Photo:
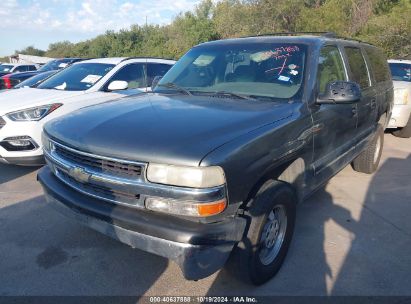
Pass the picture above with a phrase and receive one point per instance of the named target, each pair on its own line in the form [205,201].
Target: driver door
[335,125]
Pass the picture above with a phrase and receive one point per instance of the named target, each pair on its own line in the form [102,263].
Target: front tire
[404,132]
[259,256]
[369,159]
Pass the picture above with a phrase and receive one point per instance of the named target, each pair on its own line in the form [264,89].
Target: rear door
[359,72]
[381,79]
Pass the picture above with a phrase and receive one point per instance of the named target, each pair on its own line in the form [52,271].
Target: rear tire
[404,132]
[271,213]
[369,159]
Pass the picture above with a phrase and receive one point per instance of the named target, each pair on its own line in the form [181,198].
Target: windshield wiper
[236,95]
[172,85]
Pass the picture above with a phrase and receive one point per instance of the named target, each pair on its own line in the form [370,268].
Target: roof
[307,38]
[117,60]
[112,60]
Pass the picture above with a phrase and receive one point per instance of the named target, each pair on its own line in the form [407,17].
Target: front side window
[357,66]
[133,74]
[78,77]
[400,71]
[379,64]
[330,67]
[273,70]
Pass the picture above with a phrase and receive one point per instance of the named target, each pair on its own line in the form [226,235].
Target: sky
[41,22]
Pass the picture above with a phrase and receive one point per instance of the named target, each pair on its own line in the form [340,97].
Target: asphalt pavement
[352,238]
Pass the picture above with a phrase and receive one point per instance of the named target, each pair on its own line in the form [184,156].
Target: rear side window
[330,68]
[379,64]
[156,69]
[357,66]
[32,68]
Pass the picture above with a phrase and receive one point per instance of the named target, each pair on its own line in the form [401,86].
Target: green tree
[31,50]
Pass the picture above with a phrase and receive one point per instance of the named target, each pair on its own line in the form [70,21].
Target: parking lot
[352,238]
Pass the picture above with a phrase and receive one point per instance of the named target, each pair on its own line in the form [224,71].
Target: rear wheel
[369,159]
[259,256]
[404,132]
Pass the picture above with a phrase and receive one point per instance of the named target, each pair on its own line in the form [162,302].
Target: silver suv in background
[401,113]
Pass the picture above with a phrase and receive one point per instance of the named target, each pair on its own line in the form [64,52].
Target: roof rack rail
[320,34]
[323,34]
[145,57]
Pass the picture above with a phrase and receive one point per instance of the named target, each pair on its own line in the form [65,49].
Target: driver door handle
[373,103]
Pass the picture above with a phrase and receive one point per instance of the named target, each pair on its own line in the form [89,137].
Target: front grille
[102,177]
[101,165]
[2,122]
[101,191]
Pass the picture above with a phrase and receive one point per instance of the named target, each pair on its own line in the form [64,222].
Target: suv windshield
[5,68]
[401,71]
[78,77]
[247,69]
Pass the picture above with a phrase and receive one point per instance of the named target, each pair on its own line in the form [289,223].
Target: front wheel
[271,212]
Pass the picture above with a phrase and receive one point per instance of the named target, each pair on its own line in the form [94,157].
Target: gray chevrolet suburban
[212,163]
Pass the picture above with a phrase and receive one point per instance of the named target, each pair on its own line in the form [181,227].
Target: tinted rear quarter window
[359,72]
[379,64]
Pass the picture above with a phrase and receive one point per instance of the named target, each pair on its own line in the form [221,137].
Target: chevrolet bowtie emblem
[79,174]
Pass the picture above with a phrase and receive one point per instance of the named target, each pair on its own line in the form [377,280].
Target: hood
[165,129]
[14,100]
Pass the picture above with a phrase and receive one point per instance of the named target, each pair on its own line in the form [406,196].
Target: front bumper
[400,116]
[32,129]
[24,161]
[199,249]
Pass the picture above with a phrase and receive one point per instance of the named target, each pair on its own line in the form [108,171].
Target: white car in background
[401,113]
[23,112]
[10,68]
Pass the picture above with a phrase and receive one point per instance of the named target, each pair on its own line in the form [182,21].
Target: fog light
[19,143]
[186,208]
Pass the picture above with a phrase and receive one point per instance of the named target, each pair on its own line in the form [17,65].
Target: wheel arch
[292,173]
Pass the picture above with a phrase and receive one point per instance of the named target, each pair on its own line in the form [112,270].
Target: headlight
[401,96]
[193,177]
[33,114]
[47,145]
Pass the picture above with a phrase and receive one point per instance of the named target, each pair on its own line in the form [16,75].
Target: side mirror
[340,92]
[155,82]
[117,85]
